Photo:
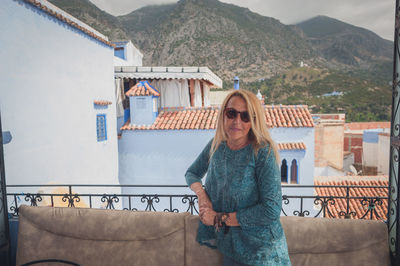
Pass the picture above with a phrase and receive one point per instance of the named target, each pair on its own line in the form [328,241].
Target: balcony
[298,200]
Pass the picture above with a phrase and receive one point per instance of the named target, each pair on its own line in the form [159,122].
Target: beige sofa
[112,237]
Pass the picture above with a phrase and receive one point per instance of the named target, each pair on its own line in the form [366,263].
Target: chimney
[236,83]
[143,100]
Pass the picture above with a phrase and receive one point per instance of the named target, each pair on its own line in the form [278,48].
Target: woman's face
[236,130]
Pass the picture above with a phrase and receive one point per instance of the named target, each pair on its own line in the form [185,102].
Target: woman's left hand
[207,215]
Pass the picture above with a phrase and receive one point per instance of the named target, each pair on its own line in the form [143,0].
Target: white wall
[383,154]
[347,161]
[370,147]
[327,171]
[50,74]
[133,57]
[370,150]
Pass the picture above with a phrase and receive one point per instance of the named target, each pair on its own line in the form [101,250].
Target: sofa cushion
[101,237]
[324,241]
[196,254]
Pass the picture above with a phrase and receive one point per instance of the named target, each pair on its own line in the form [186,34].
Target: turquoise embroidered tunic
[240,181]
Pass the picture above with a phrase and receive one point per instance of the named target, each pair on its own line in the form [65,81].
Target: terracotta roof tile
[291,146]
[288,116]
[142,88]
[101,102]
[366,125]
[68,21]
[356,205]
[206,118]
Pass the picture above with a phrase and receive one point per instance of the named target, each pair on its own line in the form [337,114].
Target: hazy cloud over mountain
[374,15]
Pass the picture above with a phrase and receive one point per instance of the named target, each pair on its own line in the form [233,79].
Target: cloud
[377,16]
[123,7]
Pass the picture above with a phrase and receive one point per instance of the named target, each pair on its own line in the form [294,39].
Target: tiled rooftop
[68,21]
[101,102]
[366,125]
[142,88]
[199,118]
[206,118]
[355,204]
[288,116]
[291,146]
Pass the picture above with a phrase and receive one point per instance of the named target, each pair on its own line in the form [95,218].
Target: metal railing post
[394,203]
[5,244]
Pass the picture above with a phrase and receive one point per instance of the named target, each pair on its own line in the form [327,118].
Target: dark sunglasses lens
[245,117]
[231,113]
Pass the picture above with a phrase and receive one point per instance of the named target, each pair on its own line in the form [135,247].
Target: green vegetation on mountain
[361,100]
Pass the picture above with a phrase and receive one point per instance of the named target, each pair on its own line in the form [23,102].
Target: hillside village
[90,111]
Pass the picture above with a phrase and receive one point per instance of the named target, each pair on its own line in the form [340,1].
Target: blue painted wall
[305,159]
[305,163]
[159,156]
[372,135]
[120,53]
[163,156]
[143,109]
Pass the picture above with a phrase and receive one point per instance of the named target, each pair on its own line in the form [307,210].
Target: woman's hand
[232,220]
[207,216]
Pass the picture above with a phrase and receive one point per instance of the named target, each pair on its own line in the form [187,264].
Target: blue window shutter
[101,127]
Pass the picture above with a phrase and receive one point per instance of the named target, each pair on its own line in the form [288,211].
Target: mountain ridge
[344,43]
[232,40]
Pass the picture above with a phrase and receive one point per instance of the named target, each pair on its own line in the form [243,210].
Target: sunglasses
[232,113]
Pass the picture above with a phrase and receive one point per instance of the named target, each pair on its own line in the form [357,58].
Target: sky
[375,15]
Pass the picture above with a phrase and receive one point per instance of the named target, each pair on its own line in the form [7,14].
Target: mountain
[90,14]
[339,42]
[353,62]
[232,40]
[227,38]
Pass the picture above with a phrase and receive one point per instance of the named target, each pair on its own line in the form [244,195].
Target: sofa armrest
[326,241]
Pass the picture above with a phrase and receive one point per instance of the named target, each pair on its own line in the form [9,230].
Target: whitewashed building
[126,54]
[56,97]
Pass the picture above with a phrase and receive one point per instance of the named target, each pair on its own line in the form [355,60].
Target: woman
[241,204]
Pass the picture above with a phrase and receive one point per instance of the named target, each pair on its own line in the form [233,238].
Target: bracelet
[220,219]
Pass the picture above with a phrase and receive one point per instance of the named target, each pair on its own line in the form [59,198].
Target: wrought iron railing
[297,200]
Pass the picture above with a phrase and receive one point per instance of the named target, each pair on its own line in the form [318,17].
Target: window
[293,172]
[101,123]
[284,169]
[119,52]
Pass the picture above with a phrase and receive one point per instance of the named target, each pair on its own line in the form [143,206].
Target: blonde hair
[258,135]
